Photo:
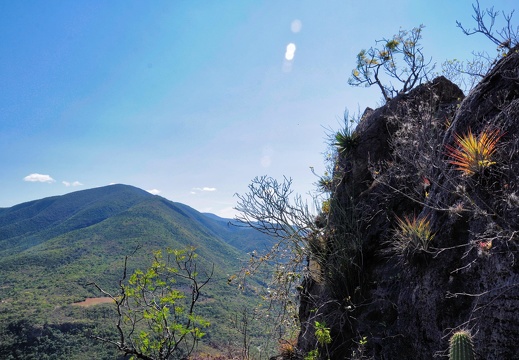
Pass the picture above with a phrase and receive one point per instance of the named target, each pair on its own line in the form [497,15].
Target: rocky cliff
[421,239]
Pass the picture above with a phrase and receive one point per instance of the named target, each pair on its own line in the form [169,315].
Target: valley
[52,250]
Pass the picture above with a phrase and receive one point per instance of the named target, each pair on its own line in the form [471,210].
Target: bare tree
[467,74]
[155,320]
[271,208]
[505,38]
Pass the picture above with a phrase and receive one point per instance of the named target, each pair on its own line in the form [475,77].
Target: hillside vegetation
[51,249]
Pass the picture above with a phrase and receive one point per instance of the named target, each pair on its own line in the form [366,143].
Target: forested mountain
[51,249]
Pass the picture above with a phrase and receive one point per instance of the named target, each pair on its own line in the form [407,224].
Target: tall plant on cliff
[504,38]
[501,31]
[395,65]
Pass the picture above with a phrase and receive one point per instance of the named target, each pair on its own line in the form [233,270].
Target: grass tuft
[413,235]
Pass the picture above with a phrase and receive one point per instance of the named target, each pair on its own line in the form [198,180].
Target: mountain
[34,222]
[50,249]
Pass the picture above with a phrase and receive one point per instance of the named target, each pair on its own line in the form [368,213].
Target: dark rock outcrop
[404,305]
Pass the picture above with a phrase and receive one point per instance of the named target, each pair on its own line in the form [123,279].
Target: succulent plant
[461,346]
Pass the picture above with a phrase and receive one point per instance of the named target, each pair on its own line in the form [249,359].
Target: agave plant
[474,154]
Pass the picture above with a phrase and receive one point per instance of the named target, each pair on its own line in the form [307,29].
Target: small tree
[382,65]
[156,320]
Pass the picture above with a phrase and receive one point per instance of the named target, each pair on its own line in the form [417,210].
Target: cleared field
[93,301]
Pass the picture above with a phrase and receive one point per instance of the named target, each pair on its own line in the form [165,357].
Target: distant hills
[51,248]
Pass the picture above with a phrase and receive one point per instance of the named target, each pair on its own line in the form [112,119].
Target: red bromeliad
[474,154]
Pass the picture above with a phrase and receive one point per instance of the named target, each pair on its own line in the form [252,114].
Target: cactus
[461,346]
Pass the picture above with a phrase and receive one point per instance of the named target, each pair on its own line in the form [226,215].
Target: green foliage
[322,333]
[312,355]
[24,339]
[345,140]
[156,320]
[461,346]
[325,183]
[399,58]
[42,280]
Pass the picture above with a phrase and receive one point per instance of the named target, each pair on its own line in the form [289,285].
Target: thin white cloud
[39,178]
[74,184]
[154,191]
[205,188]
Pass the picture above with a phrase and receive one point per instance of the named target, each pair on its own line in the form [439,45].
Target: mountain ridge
[52,248]
[31,223]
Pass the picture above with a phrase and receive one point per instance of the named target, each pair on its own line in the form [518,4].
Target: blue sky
[191,99]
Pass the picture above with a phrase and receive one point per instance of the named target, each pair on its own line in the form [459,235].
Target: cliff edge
[422,235]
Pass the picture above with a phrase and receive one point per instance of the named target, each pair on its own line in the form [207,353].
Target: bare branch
[505,38]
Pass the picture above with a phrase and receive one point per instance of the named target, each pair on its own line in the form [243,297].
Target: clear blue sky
[191,99]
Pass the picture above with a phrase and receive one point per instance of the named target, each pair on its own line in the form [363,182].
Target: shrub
[288,349]
[397,60]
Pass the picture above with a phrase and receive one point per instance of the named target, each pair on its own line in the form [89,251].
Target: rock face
[402,302]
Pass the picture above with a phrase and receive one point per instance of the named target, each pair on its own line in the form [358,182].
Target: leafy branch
[378,62]
[155,320]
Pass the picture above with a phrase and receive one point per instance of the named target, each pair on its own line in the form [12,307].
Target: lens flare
[290,53]
[296,26]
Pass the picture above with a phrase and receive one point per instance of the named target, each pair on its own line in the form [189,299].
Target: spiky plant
[345,140]
[474,154]
[325,184]
[413,234]
[461,346]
